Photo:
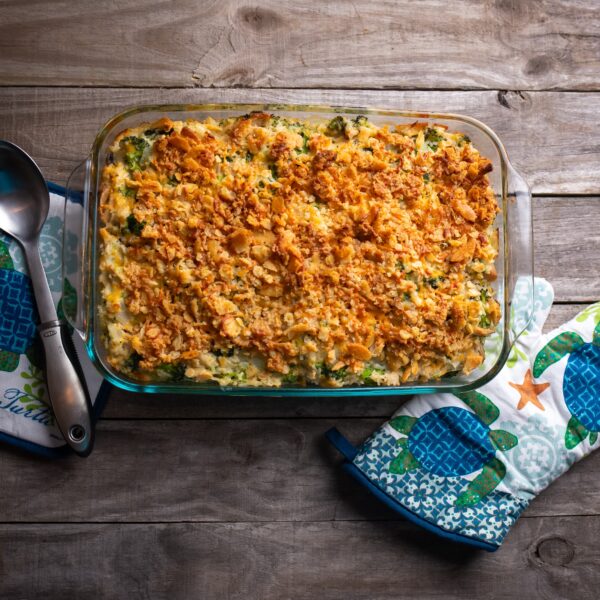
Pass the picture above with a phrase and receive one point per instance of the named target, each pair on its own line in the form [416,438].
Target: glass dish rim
[92,180]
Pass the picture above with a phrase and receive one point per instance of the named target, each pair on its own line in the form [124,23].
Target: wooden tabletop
[218,498]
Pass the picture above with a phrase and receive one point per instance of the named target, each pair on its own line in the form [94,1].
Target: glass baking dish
[514,262]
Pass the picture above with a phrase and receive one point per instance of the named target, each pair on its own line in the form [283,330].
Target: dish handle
[519,252]
[76,252]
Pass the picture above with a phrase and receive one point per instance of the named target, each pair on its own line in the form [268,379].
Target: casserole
[513,224]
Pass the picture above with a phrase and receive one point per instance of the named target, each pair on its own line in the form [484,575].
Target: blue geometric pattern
[18,315]
[450,441]
[581,386]
[433,497]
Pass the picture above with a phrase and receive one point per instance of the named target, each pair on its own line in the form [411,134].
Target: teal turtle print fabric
[581,379]
[468,466]
[18,315]
[450,441]
[434,497]
[582,386]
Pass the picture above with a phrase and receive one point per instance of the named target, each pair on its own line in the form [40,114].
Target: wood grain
[554,559]
[493,44]
[567,246]
[251,470]
[552,138]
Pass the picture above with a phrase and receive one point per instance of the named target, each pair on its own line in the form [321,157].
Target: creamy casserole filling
[268,251]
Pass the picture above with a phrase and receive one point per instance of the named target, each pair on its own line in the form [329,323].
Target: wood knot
[259,19]
[555,551]
[510,6]
[513,99]
[238,76]
[538,65]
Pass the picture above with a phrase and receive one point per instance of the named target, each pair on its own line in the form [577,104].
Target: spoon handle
[66,384]
[66,387]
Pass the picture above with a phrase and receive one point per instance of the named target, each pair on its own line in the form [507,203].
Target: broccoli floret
[465,139]
[304,149]
[153,133]
[174,371]
[433,138]
[368,371]
[290,378]
[135,148]
[236,375]
[485,321]
[427,178]
[339,374]
[134,225]
[133,362]
[360,120]
[327,372]
[434,282]
[274,172]
[337,125]
[129,192]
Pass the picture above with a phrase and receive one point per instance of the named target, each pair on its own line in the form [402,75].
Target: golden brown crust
[309,253]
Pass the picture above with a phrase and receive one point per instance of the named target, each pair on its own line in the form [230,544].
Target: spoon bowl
[24,198]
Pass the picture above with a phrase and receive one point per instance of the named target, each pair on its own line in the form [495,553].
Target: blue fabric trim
[56,189]
[38,449]
[77,197]
[342,445]
[339,441]
[101,399]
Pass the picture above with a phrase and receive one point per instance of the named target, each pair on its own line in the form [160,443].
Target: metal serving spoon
[24,204]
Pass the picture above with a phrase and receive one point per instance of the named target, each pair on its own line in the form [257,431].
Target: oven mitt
[465,466]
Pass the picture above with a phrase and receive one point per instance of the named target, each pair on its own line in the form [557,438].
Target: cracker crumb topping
[267,251]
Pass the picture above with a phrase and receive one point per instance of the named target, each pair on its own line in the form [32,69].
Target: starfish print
[529,391]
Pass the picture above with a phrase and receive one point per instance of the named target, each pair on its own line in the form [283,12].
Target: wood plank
[551,137]
[567,246]
[223,470]
[543,558]
[503,44]
[127,405]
